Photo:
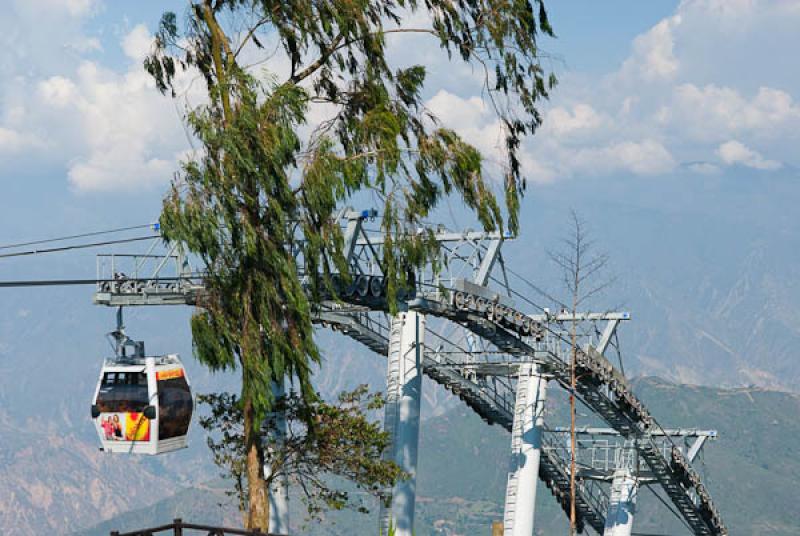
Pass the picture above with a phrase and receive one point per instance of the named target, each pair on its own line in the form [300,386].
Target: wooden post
[497,528]
[178,527]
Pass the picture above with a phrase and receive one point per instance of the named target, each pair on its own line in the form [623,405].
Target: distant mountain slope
[708,266]
[84,487]
[752,471]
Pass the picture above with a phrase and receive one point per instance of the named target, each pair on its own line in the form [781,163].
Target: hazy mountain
[750,470]
[707,265]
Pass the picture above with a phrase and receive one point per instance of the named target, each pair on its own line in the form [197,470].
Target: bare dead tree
[580,266]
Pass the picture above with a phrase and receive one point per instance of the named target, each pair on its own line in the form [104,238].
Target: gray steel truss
[483,338]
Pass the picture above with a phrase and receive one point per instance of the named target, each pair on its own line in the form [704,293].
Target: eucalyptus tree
[264,175]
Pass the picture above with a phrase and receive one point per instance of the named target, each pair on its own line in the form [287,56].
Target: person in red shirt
[108,428]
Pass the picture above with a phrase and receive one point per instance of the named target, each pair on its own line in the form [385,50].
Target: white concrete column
[622,504]
[403,396]
[526,443]
[279,490]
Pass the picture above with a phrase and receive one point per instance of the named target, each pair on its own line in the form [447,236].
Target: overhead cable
[153,226]
[72,282]
[76,246]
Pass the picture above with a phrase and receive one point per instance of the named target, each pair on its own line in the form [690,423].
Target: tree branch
[337,45]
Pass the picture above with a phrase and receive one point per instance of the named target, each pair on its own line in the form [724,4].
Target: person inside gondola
[117,428]
[108,428]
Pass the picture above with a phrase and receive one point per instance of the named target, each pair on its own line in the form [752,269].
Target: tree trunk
[257,516]
[573,518]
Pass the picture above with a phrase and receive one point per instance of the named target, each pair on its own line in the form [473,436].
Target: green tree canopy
[345,443]
[258,203]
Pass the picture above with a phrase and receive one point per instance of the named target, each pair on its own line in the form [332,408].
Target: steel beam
[403,397]
[526,444]
[443,237]
[622,506]
[485,269]
[670,432]
[694,450]
[605,338]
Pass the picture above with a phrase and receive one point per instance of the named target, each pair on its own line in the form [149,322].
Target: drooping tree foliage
[345,443]
[258,203]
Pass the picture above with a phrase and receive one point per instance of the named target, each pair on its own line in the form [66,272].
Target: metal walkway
[471,292]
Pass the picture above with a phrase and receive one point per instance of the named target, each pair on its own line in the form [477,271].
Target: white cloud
[647,157]
[473,119]
[714,113]
[74,8]
[57,91]
[727,11]
[734,152]
[87,44]
[582,119]
[681,99]
[653,55]
[678,97]
[137,43]
[110,129]
[131,133]
[704,168]
[12,141]
[120,169]
[458,112]
[696,80]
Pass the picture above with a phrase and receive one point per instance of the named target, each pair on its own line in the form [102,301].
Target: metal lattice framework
[475,350]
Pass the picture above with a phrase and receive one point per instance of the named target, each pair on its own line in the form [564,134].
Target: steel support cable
[527,282]
[515,274]
[76,246]
[671,509]
[73,237]
[537,289]
[72,282]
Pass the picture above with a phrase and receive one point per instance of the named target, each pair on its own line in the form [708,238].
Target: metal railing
[178,527]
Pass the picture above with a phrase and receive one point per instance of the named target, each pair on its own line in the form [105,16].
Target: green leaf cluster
[259,201]
[344,443]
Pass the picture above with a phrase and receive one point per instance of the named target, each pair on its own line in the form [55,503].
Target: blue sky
[648,89]
[673,132]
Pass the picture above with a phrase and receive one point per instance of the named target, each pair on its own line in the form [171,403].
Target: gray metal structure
[478,341]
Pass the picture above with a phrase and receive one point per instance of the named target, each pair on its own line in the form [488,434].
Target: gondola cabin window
[174,404]
[121,400]
[123,392]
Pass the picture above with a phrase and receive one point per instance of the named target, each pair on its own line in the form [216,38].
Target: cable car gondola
[142,404]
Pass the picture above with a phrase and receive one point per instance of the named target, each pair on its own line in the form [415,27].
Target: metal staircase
[459,293]
[494,406]
[591,502]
